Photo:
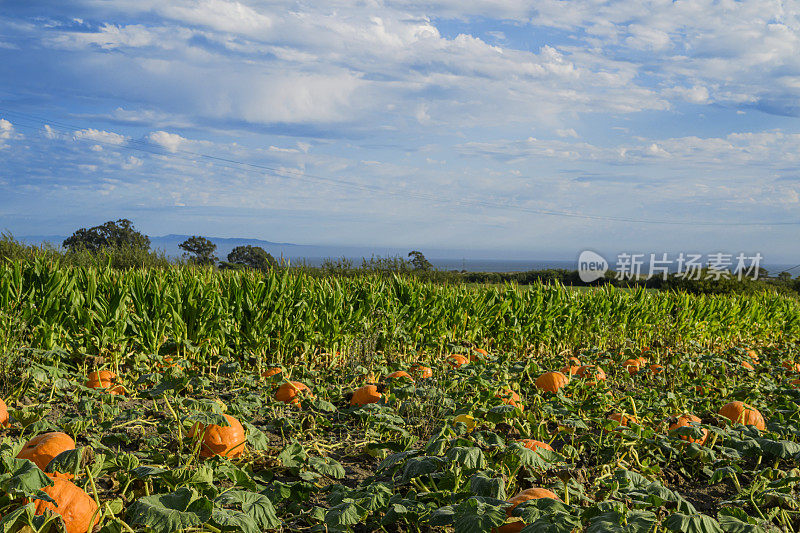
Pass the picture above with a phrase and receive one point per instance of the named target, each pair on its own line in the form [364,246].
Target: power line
[142,145]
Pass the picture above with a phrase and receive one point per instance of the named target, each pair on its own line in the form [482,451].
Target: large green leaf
[695,523]
[420,466]
[491,487]
[469,458]
[166,513]
[257,506]
[22,478]
[476,516]
[327,466]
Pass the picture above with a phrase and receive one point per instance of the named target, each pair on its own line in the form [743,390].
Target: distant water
[519,265]
[499,265]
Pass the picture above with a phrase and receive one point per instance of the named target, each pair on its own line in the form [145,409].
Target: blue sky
[449,124]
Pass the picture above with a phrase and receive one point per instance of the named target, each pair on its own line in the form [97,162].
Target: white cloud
[103,137]
[171,142]
[7,133]
[222,15]
[567,132]
[696,94]
[6,129]
[768,149]
[49,132]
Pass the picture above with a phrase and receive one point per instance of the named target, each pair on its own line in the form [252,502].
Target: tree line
[198,250]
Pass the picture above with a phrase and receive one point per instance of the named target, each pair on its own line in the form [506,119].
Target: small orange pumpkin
[791,366]
[268,373]
[366,394]
[457,360]
[41,449]
[397,374]
[168,362]
[587,370]
[743,414]
[621,419]
[510,397]
[4,420]
[656,369]
[551,381]
[226,441]
[687,421]
[747,366]
[289,392]
[77,509]
[632,365]
[524,496]
[572,367]
[422,372]
[532,444]
[478,353]
[105,379]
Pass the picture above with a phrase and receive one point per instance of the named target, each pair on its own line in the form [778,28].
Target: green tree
[418,261]
[199,250]
[253,257]
[119,234]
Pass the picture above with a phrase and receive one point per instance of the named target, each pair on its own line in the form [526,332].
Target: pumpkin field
[187,399]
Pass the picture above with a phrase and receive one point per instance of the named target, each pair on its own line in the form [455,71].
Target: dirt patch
[706,498]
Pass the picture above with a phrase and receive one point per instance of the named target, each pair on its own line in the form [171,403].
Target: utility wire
[144,146]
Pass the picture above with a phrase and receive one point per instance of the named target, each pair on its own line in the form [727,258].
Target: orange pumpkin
[621,419]
[168,362]
[366,394]
[4,421]
[743,414]
[587,370]
[572,366]
[289,392]
[510,397]
[524,496]
[551,381]
[422,372]
[656,369]
[791,366]
[77,509]
[632,365]
[226,441]
[532,444]
[105,379]
[268,373]
[399,374]
[43,448]
[747,366]
[688,421]
[457,360]
[478,353]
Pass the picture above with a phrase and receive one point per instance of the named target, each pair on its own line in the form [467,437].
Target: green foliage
[418,261]
[119,234]
[199,250]
[253,257]
[99,310]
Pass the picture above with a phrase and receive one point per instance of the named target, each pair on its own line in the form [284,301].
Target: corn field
[287,315]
